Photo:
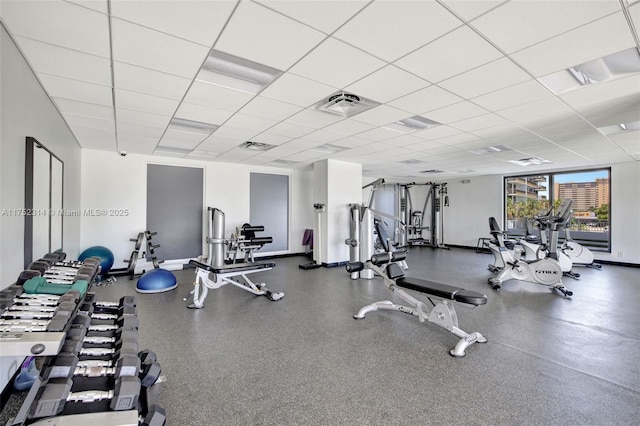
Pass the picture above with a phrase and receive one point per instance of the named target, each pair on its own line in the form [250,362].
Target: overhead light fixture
[491,149]
[620,128]
[232,72]
[411,161]
[532,161]
[345,104]
[329,148]
[432,171]
[257,146]
[191,126]
[411,124]
[599,70]
[172,150]
[283,162]
[466,171]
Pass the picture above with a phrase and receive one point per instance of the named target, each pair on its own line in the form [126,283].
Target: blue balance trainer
[156,281]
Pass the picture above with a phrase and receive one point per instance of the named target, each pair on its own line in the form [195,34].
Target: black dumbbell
[155,416]
[66,365]
[54,394]
[150,367]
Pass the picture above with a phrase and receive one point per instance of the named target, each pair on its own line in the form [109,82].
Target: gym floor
[243,359]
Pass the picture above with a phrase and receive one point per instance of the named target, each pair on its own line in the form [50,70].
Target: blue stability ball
[105,255]
[156,281]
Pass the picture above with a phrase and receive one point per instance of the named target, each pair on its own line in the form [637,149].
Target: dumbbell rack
[94,380]
[135,254]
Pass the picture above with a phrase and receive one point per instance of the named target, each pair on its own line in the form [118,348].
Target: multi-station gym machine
[417,221]
[409,225]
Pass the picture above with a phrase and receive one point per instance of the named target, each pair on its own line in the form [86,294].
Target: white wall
[113,182]
[27,111]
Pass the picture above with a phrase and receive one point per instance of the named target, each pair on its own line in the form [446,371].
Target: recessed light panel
[191,126]
[490,149]
[412,124]
[233,72]
[607,68]
[329,148]
[412,161]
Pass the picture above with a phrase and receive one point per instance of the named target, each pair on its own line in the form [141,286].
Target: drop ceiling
[119,71]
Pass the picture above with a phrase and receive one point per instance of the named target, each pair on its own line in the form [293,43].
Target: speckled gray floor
[303,360]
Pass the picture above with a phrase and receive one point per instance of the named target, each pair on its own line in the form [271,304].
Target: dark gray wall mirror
[43,213]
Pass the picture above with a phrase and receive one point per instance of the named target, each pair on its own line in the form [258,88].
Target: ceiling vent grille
[432,171]
[346,104]
[257,146]
[533,161]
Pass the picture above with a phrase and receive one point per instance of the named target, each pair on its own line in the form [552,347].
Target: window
[526,196]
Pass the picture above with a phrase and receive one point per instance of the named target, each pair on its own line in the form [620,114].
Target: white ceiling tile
[234,134]
[412,24]
[313,118]
[270,108]
[147,48]
[487,78]
[218,144]
[437,132]
[612,90]
[471,9]
[89,122]
[133,129]
[76,90]
[50,59]
[216,97]
[458,139]
[184,140]
[456,112]
[536,21]
[142,118]
[518,94]
[595,40]
[480,122]
[83,108]
[321,15]
[150,82]
[292,130]
[60,23]
[403,140]
[271,138]
[351,142]
[382,115]
[202,113]
[135,144]
[547,107]
[297,90]
[145,103]
[273,39]
[376,86]
[378,134]
[322,136]
[452,54]
[336,64]
[428,99]
[348,127]
[97,5]
[250,122]
[197,21]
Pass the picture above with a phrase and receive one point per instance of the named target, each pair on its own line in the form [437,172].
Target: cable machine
[418,222]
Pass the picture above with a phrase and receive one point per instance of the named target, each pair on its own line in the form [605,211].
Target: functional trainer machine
[417,222]
[442,313]
[216,273]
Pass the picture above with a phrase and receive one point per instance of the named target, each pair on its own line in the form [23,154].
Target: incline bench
[212,277]
[442,314]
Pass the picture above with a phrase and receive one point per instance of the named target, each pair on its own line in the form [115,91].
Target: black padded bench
[442,291]
[236,267]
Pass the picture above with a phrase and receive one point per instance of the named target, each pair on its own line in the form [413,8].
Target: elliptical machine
[546,271]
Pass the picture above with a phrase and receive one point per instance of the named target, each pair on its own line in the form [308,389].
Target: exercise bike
[546,271]
[579,254]
[536,247]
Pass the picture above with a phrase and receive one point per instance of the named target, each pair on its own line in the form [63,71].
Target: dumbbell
[39,285]
[155,416]
[55,393]
[61,311]
[78,342]
[56,256]
[124,301]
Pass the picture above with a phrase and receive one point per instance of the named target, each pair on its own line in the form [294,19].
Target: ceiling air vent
[533,161]
[432,171]
[346,104]
[257,146]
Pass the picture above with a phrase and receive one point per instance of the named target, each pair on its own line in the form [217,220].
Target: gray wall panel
[174,210]
[269,206]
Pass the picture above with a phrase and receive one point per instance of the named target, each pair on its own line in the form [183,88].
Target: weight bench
[213,277]
[442,313]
